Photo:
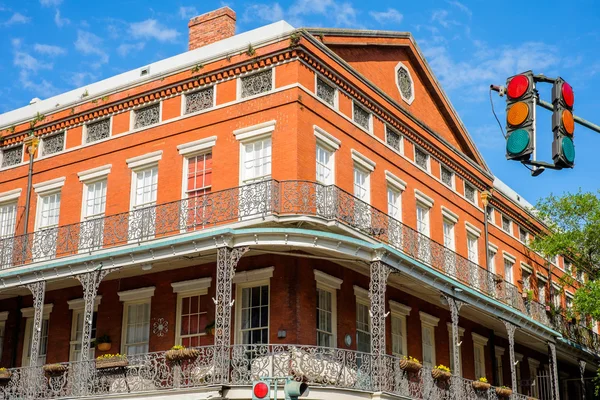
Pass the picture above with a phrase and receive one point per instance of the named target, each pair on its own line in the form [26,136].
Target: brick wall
[211,27]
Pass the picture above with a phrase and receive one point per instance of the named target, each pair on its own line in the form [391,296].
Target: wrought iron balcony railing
[278,198]
[317,366]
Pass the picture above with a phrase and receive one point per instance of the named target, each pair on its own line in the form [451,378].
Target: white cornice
[393,180]
[192,286]
[327,280]
[48,186]
[255,131]
[472,229]
[423,198]
[253,275]
[449,215]
[461,331]
[30,311]
[526,267]
[429,319]
[10,195]
[509,256]
[197,146]
[3,316]
[79,304]
[500,351]
[137,294]
[363,161]
[144,160]
[479,339]
[94,173]
[361,293]
[326,138]
[399,308]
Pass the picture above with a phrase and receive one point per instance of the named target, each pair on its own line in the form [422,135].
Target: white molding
[423,198]
[253,275]
[472,229]
[327,280]
[569,295]
[493,247]
[192,286]
[526,267]
[533,363]
[557,287]
[144,160]
[3,316]
[197,146]
[461,331]
[94,173]
[363,161]
[541,277]
[79,304]
[412,82]
[10,195]
[29,312]
[48,186]
[361,293]
[326,138]
[509,256]
[479,339]
[499,351]
[137,294]
[399,308]
[393,180]
[429,319]
[449,215]
[255,131]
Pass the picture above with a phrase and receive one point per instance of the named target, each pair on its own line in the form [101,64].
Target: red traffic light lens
[517,86]
[261,390]
[567,94]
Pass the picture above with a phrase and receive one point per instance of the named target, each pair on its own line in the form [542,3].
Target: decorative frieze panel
[53,144]
[147,116]
[361,116]
[200,100]
[325,92]
[405,83]
[97,131]
[12,156]
[257,83]
[393,139]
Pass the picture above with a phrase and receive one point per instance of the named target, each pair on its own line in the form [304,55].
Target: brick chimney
[211,27]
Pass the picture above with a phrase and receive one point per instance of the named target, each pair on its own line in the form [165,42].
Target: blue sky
[51,46]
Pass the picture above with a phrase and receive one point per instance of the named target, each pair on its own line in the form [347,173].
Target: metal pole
[579,120]
[28,198]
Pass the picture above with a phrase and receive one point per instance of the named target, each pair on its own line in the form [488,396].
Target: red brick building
[287,202]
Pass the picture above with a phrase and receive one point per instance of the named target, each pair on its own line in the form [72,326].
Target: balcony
[320,367]
[256,202]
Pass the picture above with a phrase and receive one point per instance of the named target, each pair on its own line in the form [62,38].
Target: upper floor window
[394,203]
[145,187]
[326,92]
[363,321]
[393,139]
[492,259]
[49,210]
[472,248]
[423,219]
[523,235]
[255,315]
[447,176]
[361,116]
[568,267]
[95,199]
[135,332]
[146,116]
[77,331]
[199,174]
[580,275]
[399,332]
[506,224]
[199,100]
[12,156]
[421,159]
[53,144]
[508,269]
[405,83]
[449,234]
[258,83]
[470,193]
[97,131]
[491,215]
[325,162]
[428,324]
[8,219]
[362,188]
[192,311]
[256,161]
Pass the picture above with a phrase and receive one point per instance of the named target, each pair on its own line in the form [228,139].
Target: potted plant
[5,374]
[102,343]
[503,392]
[441,373]
[111,361]
[178,354]
[481,384]
[410,364]
[55,369]
[210,328]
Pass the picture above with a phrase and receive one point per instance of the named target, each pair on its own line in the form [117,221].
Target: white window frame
[135,297]
[44,189]
[252,134]
[556,296]
[400,312]
[449,218]
[366,185]
[519,360]
[412,82]
[249,279]
[362,298]
[85,130]
[9,199]
[183,289]
[542,282]
[336,98]
[479,342]
[329,284]
[461,334]
[329,165]
[329,143]
[513,261]
[510,224]
[429,322]
[239,83]
[499,353]
[77,306]
[29,315]
[426,203]
[134,110]
[492,253]
[491,215]
[399,186]
[473,235]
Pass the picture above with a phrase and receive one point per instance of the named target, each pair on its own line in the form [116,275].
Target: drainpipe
[485,200]
[32,143]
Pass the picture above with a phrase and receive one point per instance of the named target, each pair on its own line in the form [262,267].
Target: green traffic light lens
[517,142]
[568,149]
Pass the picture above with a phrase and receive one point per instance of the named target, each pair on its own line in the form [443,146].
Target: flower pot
[103,346]
[548,308]
[115,362]
[5,375]
[503,393]
[440,375]
[410,366]
[178,356]
[55,369]
[481,386]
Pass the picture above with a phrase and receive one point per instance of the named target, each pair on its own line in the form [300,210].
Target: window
[568,267]
[192,309]
[253,305]
[461,333]
[492,259]
[47,218]
[519,359]
[363,320]
[399,312]
[95,199]
[198,182]
[470,193]
[449,234]
[53,144]
[491,215]
[405,83]
[526,277]
[580,275]
[12,156]
[3,318]
[393,139]
[569,301]
[394,197]
[49,211]
[326,324]
[499,365]
[423,219]
[143,215]
[29,313]
[428,324]
[97,131]
[556,297]
[479,343]
[506,225]
[255,84]
[361,184]
[509,262]
[146,116]
[473,251]
[256,161]
[361,116]
[421,159]
[325,171]
[447,176]
[199,100]
[8,219]
[136,320]
[541,290]
[78,308]
[326,92]
[523,235]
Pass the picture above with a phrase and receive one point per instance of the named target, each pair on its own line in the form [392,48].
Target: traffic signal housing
[563,124]
[294,389]
[261,390]
[520,121]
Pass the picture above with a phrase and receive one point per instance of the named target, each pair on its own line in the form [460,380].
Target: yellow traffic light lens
[517,114]
[567,121]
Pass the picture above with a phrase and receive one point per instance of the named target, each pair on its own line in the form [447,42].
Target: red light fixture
[517,86]
[261,390]
[567,94]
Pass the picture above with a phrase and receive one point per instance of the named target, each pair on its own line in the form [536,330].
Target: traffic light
[520,111]
[563,124]
[294,389]
[261,390]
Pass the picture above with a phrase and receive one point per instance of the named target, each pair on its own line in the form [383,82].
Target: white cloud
[17,18]
[390,16]
[461,7]
[50,3]
[152,29]
[127,48]
[264,12]
[90,44]
[16,42]
[79,79]
[49,50]
[60,22]
[187,12]
[39,89]
[26,61]
[338,13]
[441,17]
